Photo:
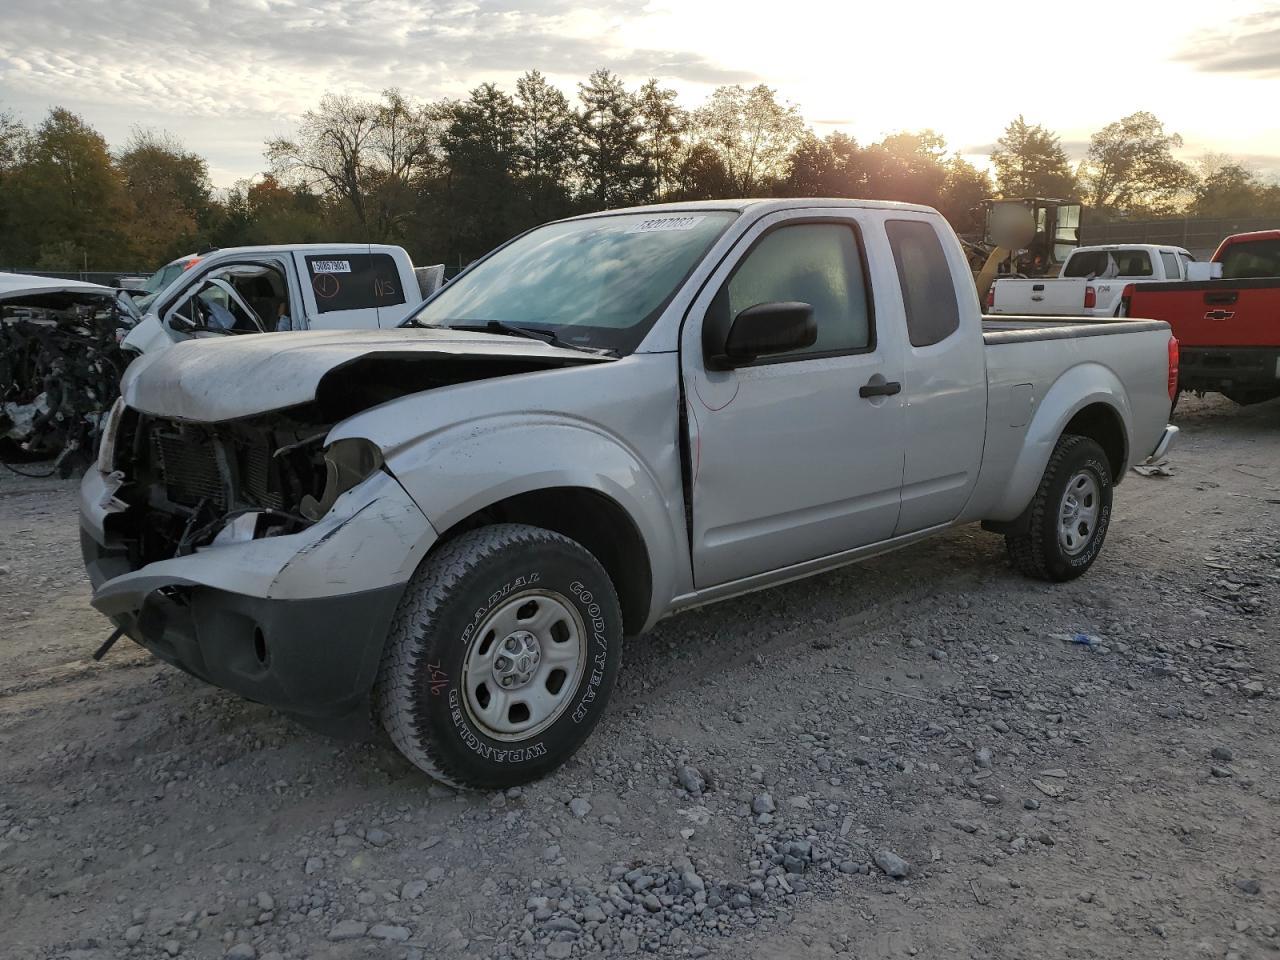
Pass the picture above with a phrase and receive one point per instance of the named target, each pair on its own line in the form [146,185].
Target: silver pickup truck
[604,421]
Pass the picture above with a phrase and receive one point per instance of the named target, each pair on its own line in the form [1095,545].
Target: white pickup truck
[604,421]
[267,289]
[1091,281]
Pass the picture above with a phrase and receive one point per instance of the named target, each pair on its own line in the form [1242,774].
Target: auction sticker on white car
[660,224]
[330,266]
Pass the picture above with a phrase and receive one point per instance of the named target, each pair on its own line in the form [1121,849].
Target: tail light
[1125,297]
[991,296]
[1173,368]
[1090,298]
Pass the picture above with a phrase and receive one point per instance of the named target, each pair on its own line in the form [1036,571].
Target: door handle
[1223,297]
[886,389]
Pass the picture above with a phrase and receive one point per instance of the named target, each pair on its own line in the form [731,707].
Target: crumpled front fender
[372,538]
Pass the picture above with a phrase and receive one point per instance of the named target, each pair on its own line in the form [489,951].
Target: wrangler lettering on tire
[502,656]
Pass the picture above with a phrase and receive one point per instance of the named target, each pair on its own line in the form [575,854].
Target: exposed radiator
[189,465]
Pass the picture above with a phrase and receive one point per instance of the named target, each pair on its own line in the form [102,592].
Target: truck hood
[213,380]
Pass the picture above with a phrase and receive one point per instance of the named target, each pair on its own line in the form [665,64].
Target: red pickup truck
[1228,329]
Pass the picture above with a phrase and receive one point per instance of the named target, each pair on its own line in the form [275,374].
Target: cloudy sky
[224,75]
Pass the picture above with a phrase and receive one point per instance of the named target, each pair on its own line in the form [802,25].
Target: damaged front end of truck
[224,532]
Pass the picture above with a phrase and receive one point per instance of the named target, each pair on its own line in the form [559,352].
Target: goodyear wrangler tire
[501,656]
[1069,515]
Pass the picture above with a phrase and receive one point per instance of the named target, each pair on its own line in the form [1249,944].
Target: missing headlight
[347,463]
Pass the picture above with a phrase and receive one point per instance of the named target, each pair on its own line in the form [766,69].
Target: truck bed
[997,330]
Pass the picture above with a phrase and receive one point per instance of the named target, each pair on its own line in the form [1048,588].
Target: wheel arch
[1101,422]
[590,518]
[1088,400]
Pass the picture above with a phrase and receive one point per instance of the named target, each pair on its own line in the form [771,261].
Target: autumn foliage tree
[450,179]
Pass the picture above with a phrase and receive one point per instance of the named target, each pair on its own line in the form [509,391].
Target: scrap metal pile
[60,369]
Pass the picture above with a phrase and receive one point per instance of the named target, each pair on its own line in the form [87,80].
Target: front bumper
[297,622]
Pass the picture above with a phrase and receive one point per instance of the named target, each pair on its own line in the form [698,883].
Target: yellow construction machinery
[1024,237]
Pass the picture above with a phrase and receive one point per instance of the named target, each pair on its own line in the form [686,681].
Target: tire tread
[1027,550]
[431,586]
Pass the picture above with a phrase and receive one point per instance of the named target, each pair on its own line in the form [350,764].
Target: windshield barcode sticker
[661,224]
[330,266]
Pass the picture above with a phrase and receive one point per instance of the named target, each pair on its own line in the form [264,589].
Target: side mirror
[183,324]
[766,329]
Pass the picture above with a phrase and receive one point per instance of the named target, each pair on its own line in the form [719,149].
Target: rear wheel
[1069,515]
[501,657]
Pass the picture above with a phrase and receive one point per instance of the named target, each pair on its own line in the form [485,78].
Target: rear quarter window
[355,281]
[928,290]
[1251,259]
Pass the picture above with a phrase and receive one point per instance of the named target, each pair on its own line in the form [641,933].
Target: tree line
[450,179]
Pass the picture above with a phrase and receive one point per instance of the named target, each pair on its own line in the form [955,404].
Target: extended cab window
[1171,271]
[359,281]
[815,263]
[928,292]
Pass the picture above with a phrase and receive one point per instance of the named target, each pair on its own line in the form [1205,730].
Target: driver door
[794,456]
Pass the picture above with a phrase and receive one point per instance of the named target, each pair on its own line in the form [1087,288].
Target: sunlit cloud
[226,76]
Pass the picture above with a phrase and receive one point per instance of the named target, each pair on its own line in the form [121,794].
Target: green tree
[963,191]
[663,126]
[752,133]
[482,156]
[546,147]
[1029,162]
[829,167]
[700,175]
[66,200]
[13,135]
[1130,168]
[612,158]
[267,211]
[1230,189]
[171,196]
[909,167]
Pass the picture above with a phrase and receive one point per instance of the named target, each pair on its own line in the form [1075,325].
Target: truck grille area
[188,470]
[196,465]
[186,481]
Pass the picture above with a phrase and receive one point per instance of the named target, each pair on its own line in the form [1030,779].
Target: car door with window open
[796,455]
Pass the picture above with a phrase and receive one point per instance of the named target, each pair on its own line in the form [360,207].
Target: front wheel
[1069,515]
[501,657]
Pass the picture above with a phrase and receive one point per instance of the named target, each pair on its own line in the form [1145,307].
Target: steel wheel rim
[523,664]
[1078,512]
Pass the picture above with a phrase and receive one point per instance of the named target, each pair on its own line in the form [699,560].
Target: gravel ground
[926,755]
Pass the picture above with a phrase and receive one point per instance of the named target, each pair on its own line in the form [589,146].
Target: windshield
[598,282]
[159,280]
[1108,263]
[1252,258]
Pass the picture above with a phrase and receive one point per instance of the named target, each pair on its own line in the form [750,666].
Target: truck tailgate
[1040,297]
[1214,313]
